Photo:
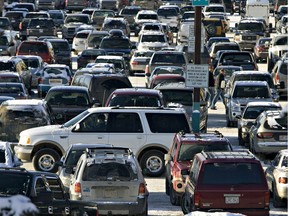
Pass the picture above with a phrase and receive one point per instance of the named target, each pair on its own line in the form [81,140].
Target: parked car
[7,156]
[248,117]
[181,154]
[68,162]
[276,175]
[15,90]
[123,127]
[53,75]
[66,102]
[18,115]
[268,134]
[241,93]
[211,177]
[135,97]
[123,176]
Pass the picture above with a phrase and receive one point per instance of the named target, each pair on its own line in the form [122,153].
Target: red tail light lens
[142,189]
[283,180]
[134,63]
[267,199]
[77,187]
[196,199]
[265,135]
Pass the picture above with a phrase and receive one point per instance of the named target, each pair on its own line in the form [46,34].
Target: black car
[66,102]
[15,90]
[89,56]
[62,51]
[45,190]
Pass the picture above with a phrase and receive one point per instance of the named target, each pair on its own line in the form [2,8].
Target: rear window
[153,38]
[168,58]
[32,48]
[255,77]
[112,43]
[251,91]
[178,97]
[277,124]
[35,23]
[167,122]
[230,58]
[130,11]
[82,35]
[253,112]
[148,16]
[167,12]
[60,45]
[81,19]
[231,174]
[135,100]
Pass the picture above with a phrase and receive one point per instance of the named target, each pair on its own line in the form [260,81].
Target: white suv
[152,40]
[148,132]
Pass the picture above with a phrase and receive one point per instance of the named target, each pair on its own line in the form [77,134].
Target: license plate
[110,193]
[55,81]
[231,198]
[282,137]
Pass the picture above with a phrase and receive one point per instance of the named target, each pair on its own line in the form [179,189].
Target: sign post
[197,61]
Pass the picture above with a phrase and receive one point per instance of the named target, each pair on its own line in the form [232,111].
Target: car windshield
[167,12]
[112,43]
[251,92]
[110,171]
[187,151]
[231,174]
[153,38]
[253,27]
[60,46]
[254,111]
[13,184]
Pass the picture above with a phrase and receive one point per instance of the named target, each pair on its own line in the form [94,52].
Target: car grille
[249,37]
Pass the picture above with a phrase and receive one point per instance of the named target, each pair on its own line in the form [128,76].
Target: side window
[96,122]
[194,171]
[55,187]
[124,122]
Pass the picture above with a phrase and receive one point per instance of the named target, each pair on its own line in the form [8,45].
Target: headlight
[237,37]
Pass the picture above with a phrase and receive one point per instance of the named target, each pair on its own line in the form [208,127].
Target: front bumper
[23,152]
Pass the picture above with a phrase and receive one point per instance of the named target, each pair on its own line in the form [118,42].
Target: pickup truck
[45,191]
[41,27]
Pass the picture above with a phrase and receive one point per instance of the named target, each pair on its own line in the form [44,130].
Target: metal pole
[197,60]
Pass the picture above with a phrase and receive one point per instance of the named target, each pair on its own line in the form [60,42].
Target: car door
[89,131]
[126,129]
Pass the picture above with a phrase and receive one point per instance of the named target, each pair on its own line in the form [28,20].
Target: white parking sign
[197,76]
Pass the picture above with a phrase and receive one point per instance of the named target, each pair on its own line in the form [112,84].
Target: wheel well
[164,151]
[46,145]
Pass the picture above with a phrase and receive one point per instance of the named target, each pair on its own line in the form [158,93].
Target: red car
[165,78]
[178,159]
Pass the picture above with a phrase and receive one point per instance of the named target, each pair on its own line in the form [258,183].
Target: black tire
[277,201]
[44,160]
[174,199]
[167,186]
[152,163]
[241,141]
[211,29]
[185,204]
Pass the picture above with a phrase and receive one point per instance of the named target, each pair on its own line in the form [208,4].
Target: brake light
[265,135]
[134,63]
[142,189]
[40,80]
[77,187]
[260,48]
[196,199]
[283,180]
[267,198]
[277,78]
[20,25]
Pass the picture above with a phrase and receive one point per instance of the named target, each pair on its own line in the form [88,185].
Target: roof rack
[241,153]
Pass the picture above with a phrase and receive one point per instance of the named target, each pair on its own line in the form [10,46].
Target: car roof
[142,91]
[177,86]
[68,88]
[251,83]
[29,102]
[263,103]
[243,73]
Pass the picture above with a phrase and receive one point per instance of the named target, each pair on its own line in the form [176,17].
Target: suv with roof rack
[231,181]
[45,191]
[147,131]
[180,155]
[112,178]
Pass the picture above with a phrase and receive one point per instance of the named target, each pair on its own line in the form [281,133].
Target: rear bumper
[250,212]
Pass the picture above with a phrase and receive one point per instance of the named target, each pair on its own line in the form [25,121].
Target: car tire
[185,204]
[277,202]
[167,186]
[174,199]
[44,160]
[145,213]
[211,29]
[152,163]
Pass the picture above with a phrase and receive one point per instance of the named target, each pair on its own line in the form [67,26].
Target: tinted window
[253,112]
[255,77]
[253,27]
[148,16]
[13,183]
[95,39]
[3,41]
[7,66]
[167,122]
[135,100]
[169,58]
[167,12]
[112,43]
[229,58]
[62,98]
[178,97]
[231,174]
[124,123]
[33,48]
[251,91]
[277,124]
[60,45]
[74,156]
[32,63]
[131,11]
[153,38]
[81,19]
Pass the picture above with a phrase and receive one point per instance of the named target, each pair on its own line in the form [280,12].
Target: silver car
[250,113]
[268,134]
[277,175]
[242,93]
[112,178]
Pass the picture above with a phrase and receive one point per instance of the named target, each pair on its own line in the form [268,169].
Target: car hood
[44,130]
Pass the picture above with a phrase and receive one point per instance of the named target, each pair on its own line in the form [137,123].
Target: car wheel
[185,204]
[277,202]
[241,141]
[145,213]
[44,160]
[152,163]
[211,29]
[174,199]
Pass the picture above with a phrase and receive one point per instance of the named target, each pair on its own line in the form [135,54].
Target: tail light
[134,63]
[260,48]
[66,3]
[267,199]
[77,187]
[196,199]
[147,69]
[40,80]
[277,78]
[142,189]
[283,180]
[265,135]
[20,26]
